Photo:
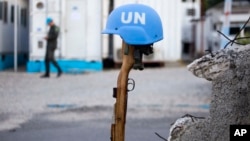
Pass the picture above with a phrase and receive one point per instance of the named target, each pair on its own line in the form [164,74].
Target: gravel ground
[159,93]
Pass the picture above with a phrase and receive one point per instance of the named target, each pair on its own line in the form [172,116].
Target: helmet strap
[138,55]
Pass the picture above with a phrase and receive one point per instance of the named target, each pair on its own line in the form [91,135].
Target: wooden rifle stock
[120,107]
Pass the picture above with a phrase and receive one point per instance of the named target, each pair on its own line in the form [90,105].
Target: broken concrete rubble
[229,71]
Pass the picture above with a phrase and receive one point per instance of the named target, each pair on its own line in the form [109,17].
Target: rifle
[131,58]
[120,93]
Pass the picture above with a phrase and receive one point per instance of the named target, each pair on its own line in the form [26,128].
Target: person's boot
[44,76]
[59,73]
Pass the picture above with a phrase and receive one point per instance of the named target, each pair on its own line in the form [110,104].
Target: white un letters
[133,17]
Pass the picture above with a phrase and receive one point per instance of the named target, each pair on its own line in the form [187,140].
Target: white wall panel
[54,5]
[93,30]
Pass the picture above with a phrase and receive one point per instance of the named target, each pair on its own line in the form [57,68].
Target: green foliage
[246,40]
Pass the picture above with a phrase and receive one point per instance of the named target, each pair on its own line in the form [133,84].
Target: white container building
[7,32]
[79,43]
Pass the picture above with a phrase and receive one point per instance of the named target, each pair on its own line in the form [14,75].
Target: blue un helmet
[137,24]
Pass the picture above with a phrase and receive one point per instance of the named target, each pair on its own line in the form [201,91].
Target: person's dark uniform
[50,50]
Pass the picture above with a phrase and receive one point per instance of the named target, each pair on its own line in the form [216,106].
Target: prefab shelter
[13,32]
[79,43]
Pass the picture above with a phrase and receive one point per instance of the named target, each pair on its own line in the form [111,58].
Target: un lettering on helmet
[133,17]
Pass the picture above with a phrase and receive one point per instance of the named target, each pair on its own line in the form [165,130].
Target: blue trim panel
[7,60]
[68,66]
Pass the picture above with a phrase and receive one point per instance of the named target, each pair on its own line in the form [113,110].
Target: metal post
[226,22]
[15,39]
[118,127]
[111,36]
[201,51]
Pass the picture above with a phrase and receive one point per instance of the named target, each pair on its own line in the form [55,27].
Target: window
[214,27]
[1,10]
[24,17]
[234,30]
[5,11]
[12,16]
[186,48]
[191,12]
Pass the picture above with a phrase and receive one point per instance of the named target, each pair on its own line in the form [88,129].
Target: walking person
[50,48]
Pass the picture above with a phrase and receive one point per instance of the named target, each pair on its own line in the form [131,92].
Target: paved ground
[80,105]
